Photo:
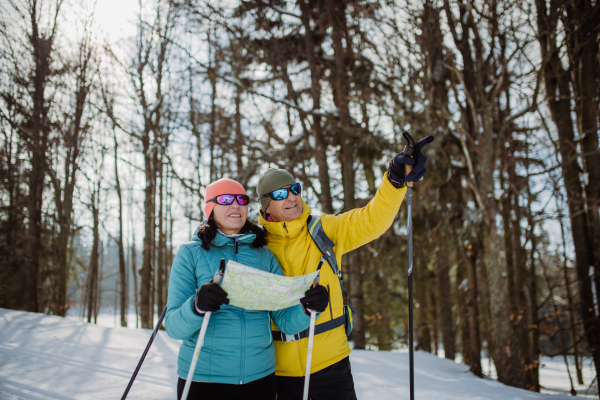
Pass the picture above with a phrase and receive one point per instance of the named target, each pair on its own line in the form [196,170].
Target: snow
[284,11]
[296,138]
[47,357]
[457,164]
[233,80]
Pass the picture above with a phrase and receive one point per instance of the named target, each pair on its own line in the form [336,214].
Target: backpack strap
[326,245]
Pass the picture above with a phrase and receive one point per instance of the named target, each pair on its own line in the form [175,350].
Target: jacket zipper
[287,261]
[243,347]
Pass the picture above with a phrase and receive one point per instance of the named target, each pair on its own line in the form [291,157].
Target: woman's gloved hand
[209,298]
[316,299]
[397,166]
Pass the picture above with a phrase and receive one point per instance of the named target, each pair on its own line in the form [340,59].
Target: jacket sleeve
[180,321]
[357,227]
[290,320]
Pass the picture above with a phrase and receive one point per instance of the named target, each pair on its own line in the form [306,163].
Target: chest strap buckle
[289,338]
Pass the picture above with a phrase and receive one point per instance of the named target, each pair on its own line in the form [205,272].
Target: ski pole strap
[321,328]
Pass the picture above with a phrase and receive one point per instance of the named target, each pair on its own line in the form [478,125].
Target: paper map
[253,289]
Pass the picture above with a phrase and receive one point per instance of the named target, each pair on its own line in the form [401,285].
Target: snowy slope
[43,357]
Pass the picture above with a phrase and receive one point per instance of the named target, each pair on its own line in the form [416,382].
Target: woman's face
[230,219]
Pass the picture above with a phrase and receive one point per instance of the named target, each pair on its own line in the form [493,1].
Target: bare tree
[75,130]
[31,44]
[557,87]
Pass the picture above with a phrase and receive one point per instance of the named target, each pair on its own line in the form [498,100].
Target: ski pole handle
[410,149]
[408,171]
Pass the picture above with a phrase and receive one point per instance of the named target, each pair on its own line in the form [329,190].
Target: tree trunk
[341,100]
[445,302]
[34,243]
[516,262]
[98,297]
[434,317]
[92,287]
[64,196]
[123,293]
[559,95]
[462,291]
[134,273]
[588,74]
[472,308]
[422,326]
[146,272]
[160,265]
[315,92]
[37,136]
[382,321]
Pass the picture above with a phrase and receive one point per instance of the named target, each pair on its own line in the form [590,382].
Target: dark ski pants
[332,383]
[261,389]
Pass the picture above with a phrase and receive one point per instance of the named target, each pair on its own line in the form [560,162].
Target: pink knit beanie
[221,186]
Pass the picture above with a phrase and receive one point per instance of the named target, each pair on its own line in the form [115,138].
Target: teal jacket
[238,347]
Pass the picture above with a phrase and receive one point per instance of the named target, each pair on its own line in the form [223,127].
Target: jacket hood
[286,228]
[220,240]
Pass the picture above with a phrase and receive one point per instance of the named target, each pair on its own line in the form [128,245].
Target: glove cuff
[395,183]
[306,310]
[196,310]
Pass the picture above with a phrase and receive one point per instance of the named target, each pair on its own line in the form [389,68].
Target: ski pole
[188,382]
[311,338]
[411,359]
[137,369]
[409,151]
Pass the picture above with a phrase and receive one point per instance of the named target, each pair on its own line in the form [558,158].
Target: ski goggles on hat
[227,199]
[282,194]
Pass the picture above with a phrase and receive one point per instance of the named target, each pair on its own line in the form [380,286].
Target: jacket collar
[289,229]
[221,240]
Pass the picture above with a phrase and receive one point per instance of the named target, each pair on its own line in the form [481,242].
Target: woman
[238,356]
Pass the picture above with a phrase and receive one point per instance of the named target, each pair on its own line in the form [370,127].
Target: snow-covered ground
[44,357]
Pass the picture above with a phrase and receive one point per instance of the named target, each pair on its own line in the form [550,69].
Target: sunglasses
[227,199]
[282,194]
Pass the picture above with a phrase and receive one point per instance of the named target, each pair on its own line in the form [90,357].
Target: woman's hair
[208,232]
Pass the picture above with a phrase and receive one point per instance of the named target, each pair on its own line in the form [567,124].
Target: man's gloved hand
[316,298]
[397,166]
[209,298]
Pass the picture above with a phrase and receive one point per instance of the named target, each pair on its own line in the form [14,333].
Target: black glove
[397,166]
[210,297]
[316,298]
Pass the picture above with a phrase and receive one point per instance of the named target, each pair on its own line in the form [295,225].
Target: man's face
[287,209]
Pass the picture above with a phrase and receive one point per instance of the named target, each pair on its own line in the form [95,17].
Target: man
[284,215]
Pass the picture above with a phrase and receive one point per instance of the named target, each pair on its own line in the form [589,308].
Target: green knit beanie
[272,179]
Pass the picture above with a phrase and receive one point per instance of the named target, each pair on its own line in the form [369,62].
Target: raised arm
[357,227]
[362,225]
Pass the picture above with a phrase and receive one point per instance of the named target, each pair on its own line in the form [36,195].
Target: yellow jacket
[295,250]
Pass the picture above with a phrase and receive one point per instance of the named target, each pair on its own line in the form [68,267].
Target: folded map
[253,289]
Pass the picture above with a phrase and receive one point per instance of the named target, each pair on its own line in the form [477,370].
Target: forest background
[110,135]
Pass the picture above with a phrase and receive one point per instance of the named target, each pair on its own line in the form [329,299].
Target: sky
[114,18]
